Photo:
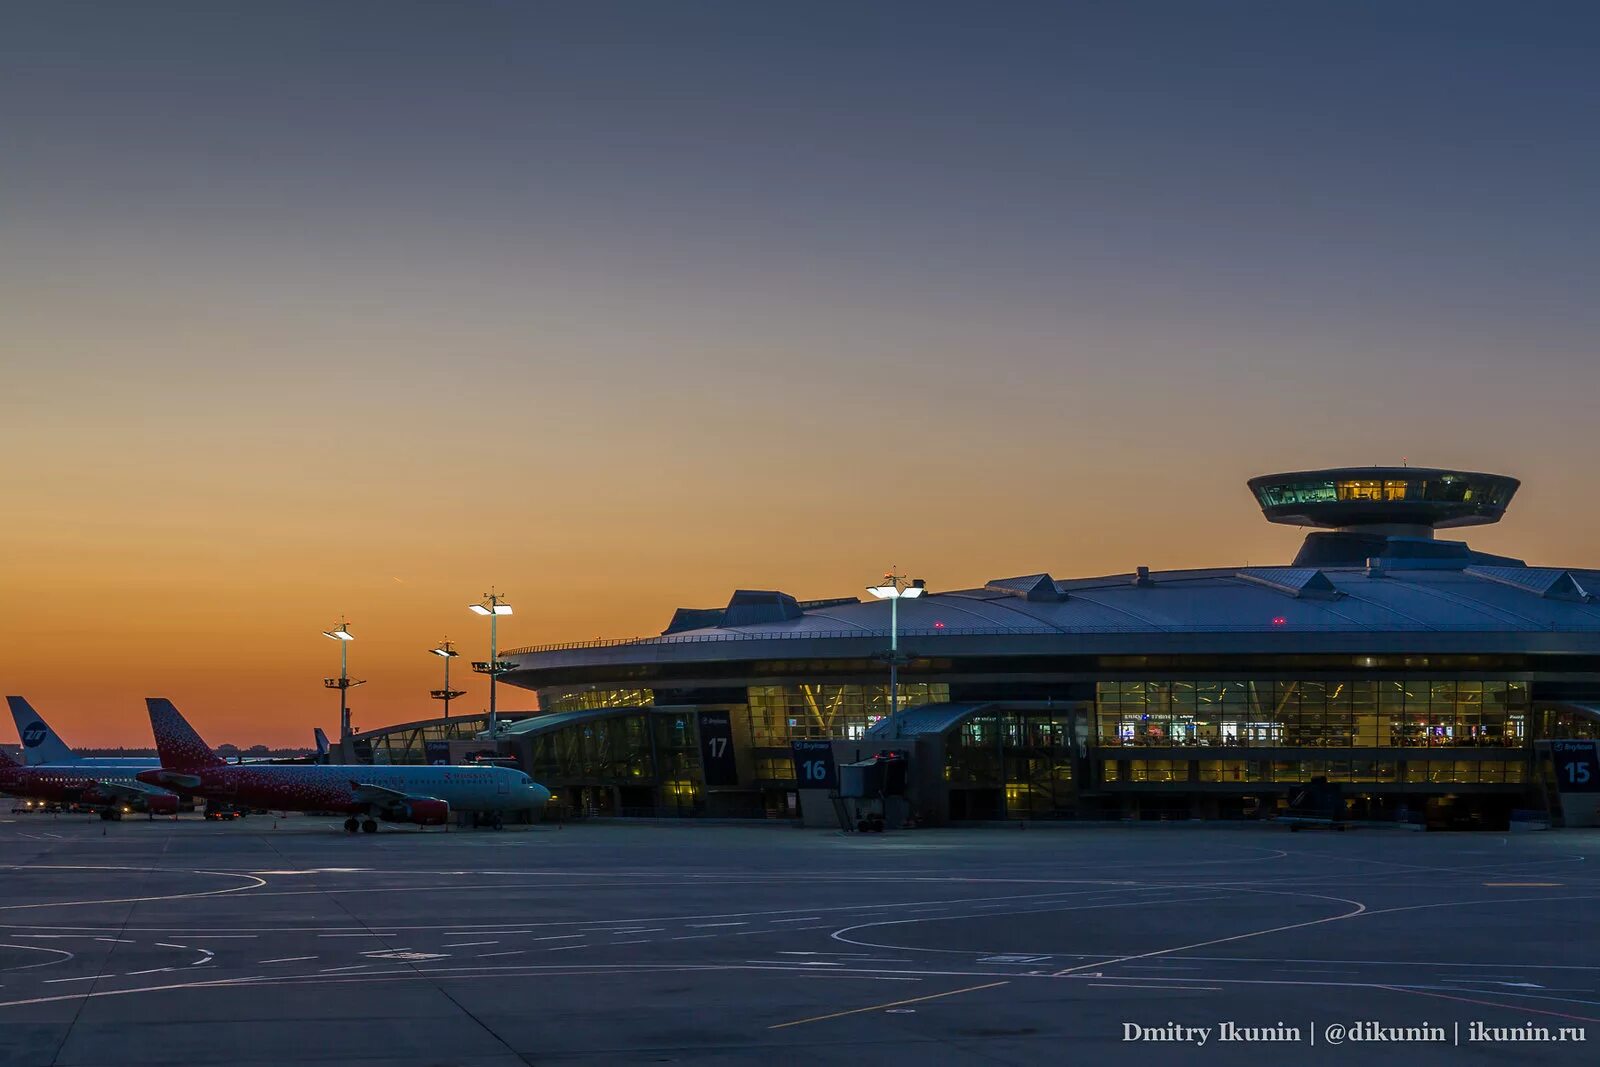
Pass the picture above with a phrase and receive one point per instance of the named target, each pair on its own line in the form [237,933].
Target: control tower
[1366,506]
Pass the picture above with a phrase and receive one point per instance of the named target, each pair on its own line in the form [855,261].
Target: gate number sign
[1577,766]
[716,749]
[813,765]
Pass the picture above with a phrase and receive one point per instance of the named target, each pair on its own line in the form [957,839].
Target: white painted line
[650,930]
[357,935]
[564,948]
[163,944]
[702,926]
[802,919]
[289,959]
[559,937]
[470,944]
[640,941]
[513,952]
[1163,988]
[85,978]
[336,970]
[799,963]
[153,970]
[693,937]
[118,940]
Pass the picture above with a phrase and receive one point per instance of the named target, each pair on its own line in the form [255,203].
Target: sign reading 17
[718,746]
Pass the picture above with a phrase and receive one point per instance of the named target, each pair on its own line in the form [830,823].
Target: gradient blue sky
[321,307]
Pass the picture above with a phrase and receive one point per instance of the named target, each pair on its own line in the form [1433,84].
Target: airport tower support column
[344,682]
[494,607]
[894,587]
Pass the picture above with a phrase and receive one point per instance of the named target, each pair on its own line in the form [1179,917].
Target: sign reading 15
[1577,773]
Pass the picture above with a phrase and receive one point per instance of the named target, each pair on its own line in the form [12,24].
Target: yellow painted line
[881,1007]
[1524,885]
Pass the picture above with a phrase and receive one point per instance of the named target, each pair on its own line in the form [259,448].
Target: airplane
[42,746]
[416,794]
[114,792]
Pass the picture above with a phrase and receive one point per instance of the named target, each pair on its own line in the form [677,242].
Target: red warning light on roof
[938,626]
[1278,620]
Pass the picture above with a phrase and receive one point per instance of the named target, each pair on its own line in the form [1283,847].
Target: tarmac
[287,941]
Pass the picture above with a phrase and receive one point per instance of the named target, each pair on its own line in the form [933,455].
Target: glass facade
[409,744]
[627,764]
[1027,754]
[1268,771]
[615,750]
[586,699]
[1351,713]
[1571,723]
[782,713]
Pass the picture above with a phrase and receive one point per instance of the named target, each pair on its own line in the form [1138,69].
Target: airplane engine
[424,811]
[162,805]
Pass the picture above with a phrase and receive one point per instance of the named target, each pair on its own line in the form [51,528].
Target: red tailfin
[180,747]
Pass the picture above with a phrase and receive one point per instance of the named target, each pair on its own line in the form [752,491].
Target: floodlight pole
[894,660]
[493,606]
[344,682]
[893,588]
[446,651]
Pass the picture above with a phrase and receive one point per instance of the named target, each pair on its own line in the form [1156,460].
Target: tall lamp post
[494,607]
[344,682]
[447,652]
[895,588]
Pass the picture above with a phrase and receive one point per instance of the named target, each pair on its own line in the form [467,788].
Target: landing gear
[492,819]
[351,825]
[369,827]
[110,815]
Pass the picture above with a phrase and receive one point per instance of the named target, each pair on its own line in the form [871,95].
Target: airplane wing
[178,779]
[125,791]
[367,793]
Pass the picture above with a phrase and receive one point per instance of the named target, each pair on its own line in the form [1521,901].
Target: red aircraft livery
[62,784]
[421,795]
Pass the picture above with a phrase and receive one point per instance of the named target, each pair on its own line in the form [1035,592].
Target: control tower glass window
[1298,493]
[1361,490]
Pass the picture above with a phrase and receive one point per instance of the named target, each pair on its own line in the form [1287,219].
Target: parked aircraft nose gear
[350,825]
[369,827]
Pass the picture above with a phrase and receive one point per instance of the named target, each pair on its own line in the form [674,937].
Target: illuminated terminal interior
[1419,673]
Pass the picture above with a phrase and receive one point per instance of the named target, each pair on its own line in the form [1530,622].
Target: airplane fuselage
[338,787]
[73,783]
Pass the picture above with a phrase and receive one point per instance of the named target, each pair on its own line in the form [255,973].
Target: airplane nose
[540,793]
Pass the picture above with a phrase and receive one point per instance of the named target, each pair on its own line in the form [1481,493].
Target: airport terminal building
[1418,673]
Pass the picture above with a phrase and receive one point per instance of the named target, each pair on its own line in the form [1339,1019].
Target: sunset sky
[336,307]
